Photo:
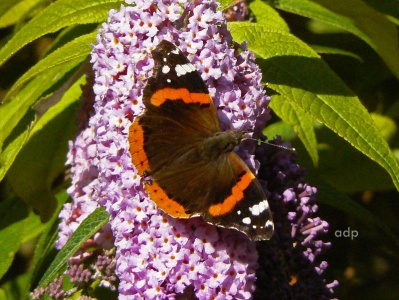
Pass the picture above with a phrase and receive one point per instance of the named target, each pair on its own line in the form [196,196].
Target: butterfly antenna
[259,141]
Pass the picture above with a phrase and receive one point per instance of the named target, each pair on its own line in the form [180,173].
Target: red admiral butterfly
[186,160]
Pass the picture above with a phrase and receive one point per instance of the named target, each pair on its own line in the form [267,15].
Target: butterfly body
[178,142]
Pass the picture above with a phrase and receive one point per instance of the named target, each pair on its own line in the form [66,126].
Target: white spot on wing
[190,67]
[175,51]
[269,223]
[165,69]
[264,205]
[179,70]
[254,210]
[257,209]
[246,221]
[184,69]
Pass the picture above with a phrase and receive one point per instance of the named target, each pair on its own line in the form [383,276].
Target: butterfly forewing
[172,70]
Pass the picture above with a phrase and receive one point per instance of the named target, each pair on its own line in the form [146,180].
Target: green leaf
[17,226]
[266,15]
[16,288]
[70,34]
[45,250]
[280,128]
[6,5]
[381,32]
[386,125]
[10,152]
[17,11]
[312,10]
[86,229]
[389,7]
[42,159]
[355,17]
[396,153]
[295,71]
[347,169]
[70,98]
[3,295]
[56,16]
[15,112]
[301,121]
[330,50]
[71,55]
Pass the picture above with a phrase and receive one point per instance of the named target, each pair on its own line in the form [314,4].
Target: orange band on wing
[171,207]
[136,141]
[237,194]
[140,160]
[159,97]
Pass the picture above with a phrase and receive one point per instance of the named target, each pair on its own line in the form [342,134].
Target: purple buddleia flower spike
[157,256]
[289,264]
